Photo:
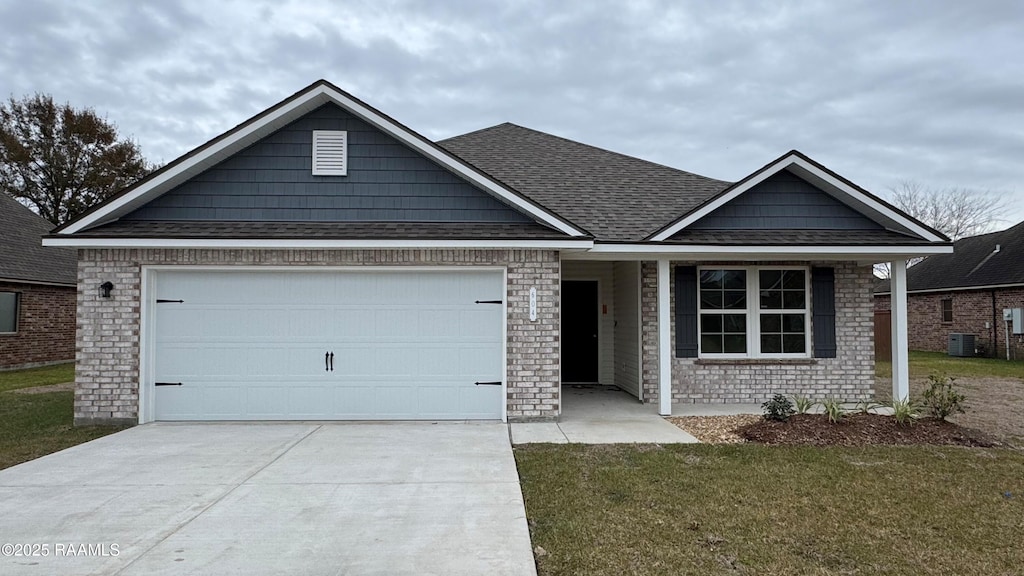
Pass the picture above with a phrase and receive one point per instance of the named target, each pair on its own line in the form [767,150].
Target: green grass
[707,509]
[44,376]
[33,425]
[924,363]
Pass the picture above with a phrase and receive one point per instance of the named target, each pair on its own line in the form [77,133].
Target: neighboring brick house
[37,291]
[322,261]
[966,292]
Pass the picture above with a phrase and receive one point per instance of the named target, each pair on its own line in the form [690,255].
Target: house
[37,291]
[966,292]
[323,261]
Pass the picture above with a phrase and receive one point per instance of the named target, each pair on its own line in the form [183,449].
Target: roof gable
[321,92]
[821,178]
[784,201]
[272,181]
[22,255]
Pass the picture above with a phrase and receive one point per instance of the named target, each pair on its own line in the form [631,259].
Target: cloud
[879,91]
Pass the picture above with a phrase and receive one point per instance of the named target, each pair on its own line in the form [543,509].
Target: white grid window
[754,312]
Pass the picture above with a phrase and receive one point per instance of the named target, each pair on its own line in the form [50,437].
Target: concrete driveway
[293,498]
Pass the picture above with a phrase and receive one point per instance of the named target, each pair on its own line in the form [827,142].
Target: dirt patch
[993,405]
[65,387]
[715,429]
[862,430]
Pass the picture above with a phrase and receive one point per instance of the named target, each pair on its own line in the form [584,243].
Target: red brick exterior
[46,326]
[971,310]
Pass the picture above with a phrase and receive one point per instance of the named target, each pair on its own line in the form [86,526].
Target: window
[8,312]
[723,311]
[754,312]
[947,310]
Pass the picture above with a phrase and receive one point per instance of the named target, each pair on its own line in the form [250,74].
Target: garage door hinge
[489,302]
[498,383]
[167,384]
[162,301]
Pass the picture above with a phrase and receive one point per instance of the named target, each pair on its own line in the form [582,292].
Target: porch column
[664,340]
[900,360]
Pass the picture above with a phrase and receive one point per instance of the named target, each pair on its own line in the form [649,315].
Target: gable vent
[330,153]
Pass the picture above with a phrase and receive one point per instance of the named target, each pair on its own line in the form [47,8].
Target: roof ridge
[979,236]
[477,131]
[590,146]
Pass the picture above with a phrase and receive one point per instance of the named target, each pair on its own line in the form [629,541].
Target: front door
[579,331]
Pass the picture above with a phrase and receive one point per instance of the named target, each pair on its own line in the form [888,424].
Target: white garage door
[258,345]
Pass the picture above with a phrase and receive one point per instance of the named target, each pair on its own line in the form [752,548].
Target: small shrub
[866,405]
[905,412]
[941,398]
[833,409]
[779,408]
[803,404]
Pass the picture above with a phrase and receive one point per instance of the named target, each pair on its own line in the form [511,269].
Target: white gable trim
[778,166]
[319,94]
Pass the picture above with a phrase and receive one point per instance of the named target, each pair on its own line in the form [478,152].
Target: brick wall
[849,376]
[108,332]
[972,309]
[46,326]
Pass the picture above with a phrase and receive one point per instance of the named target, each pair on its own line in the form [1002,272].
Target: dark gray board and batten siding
[784,201]
[272,180]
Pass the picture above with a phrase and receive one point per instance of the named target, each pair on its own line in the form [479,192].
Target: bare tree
[956,212]
[62,161]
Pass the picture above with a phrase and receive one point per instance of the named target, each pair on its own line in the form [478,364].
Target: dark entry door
[579,331]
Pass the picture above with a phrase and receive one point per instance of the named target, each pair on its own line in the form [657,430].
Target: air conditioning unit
[961,344]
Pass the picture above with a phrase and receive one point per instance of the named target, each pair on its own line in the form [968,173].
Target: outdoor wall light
[105,289]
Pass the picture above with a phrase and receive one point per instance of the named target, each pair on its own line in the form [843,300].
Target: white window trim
[753,313]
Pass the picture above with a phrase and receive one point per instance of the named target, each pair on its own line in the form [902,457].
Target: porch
[617,330]
[596,414]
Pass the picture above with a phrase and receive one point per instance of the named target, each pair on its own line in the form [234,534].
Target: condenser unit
[961,344]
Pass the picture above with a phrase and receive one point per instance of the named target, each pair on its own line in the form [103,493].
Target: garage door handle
[488,302]
[332,361]
[166,383]
[498,383]
[327,361]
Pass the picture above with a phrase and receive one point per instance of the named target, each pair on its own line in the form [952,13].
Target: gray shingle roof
[795,237]
[326,230]
[22,255]
[613,196]
[974,262]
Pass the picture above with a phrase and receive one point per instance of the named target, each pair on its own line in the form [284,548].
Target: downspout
[995,332]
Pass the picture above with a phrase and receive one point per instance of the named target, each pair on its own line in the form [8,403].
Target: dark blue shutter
[823,311]
[686,311]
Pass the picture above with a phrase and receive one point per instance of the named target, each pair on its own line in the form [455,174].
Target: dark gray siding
[785,201]
[272,180]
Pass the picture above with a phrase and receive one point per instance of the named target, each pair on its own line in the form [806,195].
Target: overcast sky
[929,91]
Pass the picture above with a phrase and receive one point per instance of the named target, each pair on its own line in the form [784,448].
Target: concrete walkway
[601,415]
[404,498]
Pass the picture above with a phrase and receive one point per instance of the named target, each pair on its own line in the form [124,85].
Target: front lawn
[749,509]
[36,424]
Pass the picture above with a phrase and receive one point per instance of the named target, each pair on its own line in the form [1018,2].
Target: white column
[900,360]
[664,341]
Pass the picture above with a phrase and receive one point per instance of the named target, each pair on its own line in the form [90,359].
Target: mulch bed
[862,430]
